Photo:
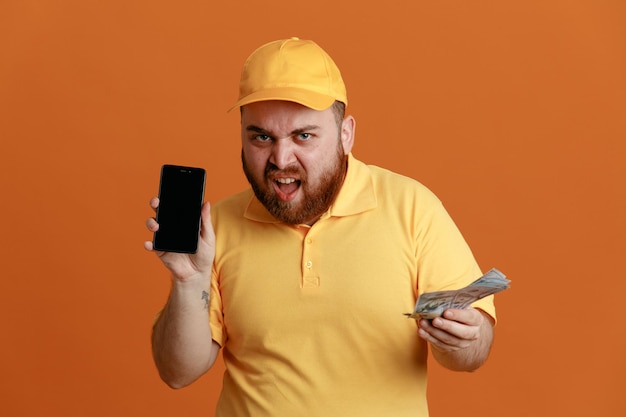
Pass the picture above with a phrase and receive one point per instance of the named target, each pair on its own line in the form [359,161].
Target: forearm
[182,346]
[470,356]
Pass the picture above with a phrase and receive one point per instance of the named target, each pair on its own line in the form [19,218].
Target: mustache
[271,170]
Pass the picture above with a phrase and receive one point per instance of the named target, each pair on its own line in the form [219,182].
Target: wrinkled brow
[261,131]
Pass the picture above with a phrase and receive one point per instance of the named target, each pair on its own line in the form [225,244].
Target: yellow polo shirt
[311,318]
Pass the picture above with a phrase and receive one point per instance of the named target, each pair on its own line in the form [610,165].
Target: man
[303,280]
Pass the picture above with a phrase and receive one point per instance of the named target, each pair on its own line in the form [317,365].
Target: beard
[317,197]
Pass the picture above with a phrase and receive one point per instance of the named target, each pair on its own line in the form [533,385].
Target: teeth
[286,180]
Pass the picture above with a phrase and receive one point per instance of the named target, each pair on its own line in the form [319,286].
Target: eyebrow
[304,129]
[252,128]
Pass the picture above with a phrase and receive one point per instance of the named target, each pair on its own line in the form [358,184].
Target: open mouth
[286,188]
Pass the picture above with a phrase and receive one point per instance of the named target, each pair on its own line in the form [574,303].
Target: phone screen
[181,194]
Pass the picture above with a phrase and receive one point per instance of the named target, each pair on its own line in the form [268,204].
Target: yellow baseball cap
[292,70]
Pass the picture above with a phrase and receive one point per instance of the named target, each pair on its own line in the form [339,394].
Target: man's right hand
[182,343]
[185,267]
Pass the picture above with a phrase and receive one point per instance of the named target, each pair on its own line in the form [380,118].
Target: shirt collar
[355,196]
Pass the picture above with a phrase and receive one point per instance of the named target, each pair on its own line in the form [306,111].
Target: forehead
[279,115]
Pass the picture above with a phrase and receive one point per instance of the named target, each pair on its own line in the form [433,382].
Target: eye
[304,136]
[262,138]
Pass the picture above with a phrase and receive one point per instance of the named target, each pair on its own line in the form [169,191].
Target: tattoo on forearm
[205,297]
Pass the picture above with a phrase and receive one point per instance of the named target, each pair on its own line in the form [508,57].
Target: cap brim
[307,98]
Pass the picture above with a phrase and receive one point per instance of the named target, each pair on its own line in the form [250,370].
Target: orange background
[512,112]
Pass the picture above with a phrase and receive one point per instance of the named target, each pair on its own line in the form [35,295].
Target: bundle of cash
[433,304]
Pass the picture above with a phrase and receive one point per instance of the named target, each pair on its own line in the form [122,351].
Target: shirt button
[309,240]
[309,264]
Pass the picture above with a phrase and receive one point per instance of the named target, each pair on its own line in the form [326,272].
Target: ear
[348,127]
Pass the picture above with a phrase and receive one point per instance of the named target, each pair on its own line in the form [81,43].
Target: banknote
[433,304]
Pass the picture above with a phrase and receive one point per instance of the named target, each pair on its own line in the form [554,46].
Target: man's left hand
[460,339]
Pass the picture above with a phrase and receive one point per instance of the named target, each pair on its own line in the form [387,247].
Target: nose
[283,153]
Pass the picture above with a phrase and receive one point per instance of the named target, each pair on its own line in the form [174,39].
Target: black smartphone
[181,194]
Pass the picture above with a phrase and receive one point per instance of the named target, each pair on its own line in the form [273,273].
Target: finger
[467,316]
[431,334]
[154,203]
[448,329]
[441,338]
[152,225]
[206,230]
[147,245]
[433,340]
[427,330]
